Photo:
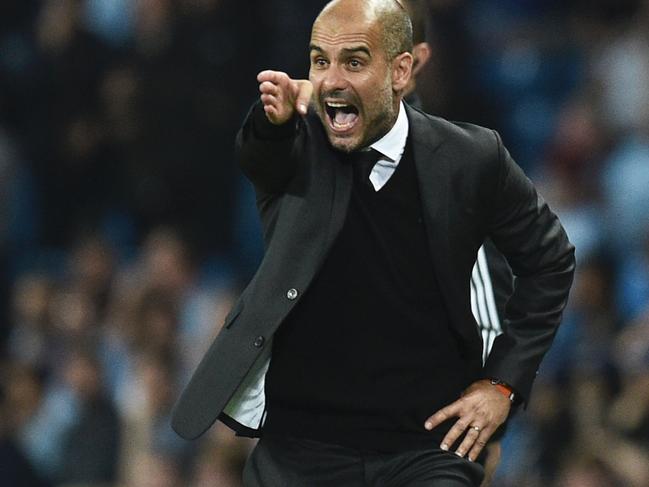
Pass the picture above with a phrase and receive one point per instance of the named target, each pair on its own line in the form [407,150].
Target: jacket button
[292,294]
[259,342]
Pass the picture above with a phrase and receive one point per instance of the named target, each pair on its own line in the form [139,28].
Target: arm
[537,248]
[269,141]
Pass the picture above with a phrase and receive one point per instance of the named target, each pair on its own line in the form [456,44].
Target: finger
[303,98]
[268,100]
[480,443]
[450,411]
[271,112]
[455,432]
[276,77]
[469,440]
[269,88]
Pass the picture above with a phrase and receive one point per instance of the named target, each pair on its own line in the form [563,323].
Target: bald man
[353,352]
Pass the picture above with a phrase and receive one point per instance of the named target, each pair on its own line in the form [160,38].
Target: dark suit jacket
[470,189]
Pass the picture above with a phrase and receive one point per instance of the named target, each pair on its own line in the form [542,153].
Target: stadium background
[126,230]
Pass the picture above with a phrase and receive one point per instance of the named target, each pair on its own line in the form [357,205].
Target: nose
[334,79]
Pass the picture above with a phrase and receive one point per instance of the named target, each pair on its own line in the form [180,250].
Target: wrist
[267,130]
[504,388]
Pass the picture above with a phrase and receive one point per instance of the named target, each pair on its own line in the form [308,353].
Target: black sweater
[367,354]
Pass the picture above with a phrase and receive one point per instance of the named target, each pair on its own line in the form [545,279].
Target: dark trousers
[292,462]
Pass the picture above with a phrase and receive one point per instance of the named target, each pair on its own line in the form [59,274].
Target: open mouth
[342,116]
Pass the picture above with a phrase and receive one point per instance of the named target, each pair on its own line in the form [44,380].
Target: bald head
[389,16]
[361,62]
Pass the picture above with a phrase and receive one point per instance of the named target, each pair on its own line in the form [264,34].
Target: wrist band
[504,389]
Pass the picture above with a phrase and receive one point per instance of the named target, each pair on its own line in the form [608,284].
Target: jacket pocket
[232,315]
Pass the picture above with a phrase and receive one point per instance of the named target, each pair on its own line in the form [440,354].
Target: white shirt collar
[392,144]
[391,147]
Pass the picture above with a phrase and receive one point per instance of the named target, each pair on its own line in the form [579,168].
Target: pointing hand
[281,96]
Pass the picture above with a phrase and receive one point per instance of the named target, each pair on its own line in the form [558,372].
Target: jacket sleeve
[536,246]
[268,154]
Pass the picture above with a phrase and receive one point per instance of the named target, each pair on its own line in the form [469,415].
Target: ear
[401,71]
[421,52]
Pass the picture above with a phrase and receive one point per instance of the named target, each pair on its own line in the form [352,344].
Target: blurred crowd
[126,230]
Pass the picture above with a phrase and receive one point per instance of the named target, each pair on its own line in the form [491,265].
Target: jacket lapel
[433,163]
[342,188]
[433,175]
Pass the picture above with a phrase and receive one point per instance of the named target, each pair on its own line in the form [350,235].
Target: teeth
[342,126]
[336,105]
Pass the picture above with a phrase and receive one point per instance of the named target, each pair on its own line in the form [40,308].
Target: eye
[355,63]
[319,62]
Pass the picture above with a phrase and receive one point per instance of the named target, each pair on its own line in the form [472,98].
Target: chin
[344,144]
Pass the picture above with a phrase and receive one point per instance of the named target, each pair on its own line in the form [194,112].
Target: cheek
[315,81]
[316,75]
[372,89]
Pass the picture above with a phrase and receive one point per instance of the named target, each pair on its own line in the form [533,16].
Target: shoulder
[461,135]
[474,154]
[469,156]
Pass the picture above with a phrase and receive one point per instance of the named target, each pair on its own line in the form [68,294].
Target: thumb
[303,97]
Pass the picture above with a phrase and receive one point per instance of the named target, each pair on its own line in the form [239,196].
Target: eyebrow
[346,50]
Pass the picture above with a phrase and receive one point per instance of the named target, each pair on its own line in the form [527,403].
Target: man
[376,375]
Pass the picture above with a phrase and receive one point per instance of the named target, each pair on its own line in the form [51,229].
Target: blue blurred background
[126,229]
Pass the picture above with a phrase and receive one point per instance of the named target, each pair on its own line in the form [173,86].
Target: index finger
[276,77]
[448,412]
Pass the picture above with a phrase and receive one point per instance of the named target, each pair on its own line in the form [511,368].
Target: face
[353,82]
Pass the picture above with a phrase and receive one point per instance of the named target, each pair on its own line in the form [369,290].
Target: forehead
[337,29]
